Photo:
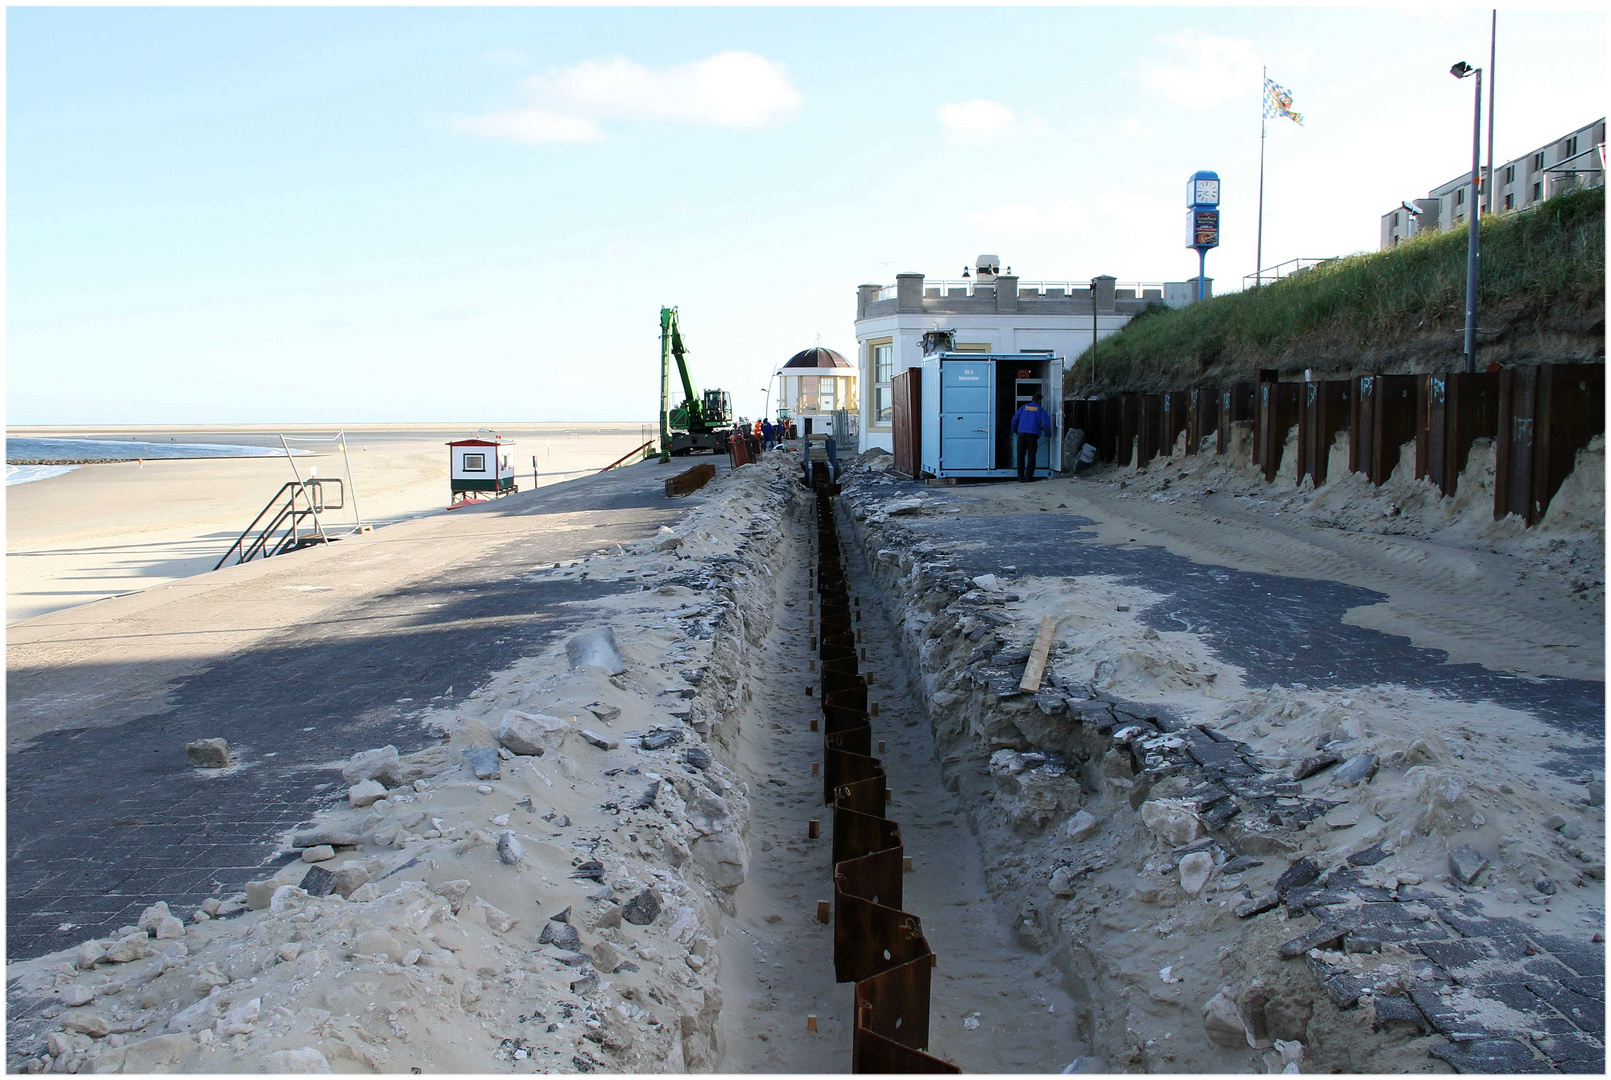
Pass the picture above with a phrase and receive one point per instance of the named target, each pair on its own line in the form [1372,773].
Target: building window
[827,393]
[1510,202]
[1510,174]
[1395,219]
[1460,197]
[1538,191]
[806,395]
[1538,161]
[883,372]
[475,463]
[1571,147]
[972,346]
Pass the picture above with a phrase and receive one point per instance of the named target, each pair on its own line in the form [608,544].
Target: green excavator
[699,422]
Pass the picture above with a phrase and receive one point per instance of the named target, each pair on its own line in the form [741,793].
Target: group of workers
[770,434]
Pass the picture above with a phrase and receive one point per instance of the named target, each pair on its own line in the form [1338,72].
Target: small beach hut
[479,468]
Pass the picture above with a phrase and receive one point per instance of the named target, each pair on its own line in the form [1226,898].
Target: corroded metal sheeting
[875,937]
[690,480]
[1383,419]
[876,945]
[1235,407]
[1457,409]
[1129,424]
[1547,413]
[859,832]
[894,1004]
[1149,428]
[1176,419]
[875,878]
[868,797]
[1202,417]
[1323,412]
[1277,413]
[872,1053]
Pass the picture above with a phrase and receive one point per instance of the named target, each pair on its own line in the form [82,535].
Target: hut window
[808,393]
[475,463]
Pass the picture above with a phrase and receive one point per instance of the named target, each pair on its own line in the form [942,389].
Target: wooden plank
[1037,656]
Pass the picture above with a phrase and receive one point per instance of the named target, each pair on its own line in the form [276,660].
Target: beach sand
[107,529]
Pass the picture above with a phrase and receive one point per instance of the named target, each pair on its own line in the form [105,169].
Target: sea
[89,450]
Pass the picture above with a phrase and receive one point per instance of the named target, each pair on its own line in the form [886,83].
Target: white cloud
[1199,71]
[975,123]
[531,126]
[730,90]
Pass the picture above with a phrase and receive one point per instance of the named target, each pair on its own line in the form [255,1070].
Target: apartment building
[1575,160]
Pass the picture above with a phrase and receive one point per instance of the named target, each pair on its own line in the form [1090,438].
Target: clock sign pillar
[1202,221]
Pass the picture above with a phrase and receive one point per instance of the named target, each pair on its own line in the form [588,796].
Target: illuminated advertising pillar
[1202,221]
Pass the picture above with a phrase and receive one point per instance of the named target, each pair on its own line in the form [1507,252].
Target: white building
[990,312]
[1575,160]
[816,383]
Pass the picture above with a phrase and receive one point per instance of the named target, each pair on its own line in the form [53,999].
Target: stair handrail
[283,505]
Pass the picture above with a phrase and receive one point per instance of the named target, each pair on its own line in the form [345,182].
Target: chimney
[908,292]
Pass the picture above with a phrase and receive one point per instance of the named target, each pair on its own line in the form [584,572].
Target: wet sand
[108,529]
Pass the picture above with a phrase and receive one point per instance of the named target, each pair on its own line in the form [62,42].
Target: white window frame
[480,461]
[882,390]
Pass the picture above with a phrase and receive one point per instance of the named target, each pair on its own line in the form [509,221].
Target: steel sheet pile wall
[876,945]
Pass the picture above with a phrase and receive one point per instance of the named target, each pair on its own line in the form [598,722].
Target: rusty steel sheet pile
[876,945]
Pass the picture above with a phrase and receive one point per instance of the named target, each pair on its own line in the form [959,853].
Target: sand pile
[541,891]
[1568,544]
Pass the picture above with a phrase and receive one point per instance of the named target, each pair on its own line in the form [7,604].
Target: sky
[323,215]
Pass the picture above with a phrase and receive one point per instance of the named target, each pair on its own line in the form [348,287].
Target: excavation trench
[836,734]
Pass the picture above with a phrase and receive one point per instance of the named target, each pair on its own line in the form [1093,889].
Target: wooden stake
[813,643]
[813,829]
[816,768]
[1037,656]
[808,691]
[881,746]
[873,708]
[906,864]
[824,911]
[811,1022]
[813,725]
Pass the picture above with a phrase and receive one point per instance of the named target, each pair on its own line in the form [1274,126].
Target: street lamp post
[1093,332]
[1473,212]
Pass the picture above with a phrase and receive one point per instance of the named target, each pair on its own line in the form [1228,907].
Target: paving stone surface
[103,821]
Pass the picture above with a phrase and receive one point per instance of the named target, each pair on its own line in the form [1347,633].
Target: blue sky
[457,214]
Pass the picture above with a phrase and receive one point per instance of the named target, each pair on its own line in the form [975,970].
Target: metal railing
[291,505]
[1285,269]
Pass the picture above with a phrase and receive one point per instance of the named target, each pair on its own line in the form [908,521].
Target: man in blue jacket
[1029,423]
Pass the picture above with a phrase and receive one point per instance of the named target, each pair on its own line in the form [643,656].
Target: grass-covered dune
[1542,299]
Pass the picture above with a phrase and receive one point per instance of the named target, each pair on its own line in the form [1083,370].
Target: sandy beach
[107,529]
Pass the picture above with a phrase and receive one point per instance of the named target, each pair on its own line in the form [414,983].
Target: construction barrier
[876,945]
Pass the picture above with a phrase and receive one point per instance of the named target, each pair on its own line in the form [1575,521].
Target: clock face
[1206,191]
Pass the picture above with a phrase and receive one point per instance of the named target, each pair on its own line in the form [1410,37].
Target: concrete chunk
[595,648]
[208,753]
[1466,862]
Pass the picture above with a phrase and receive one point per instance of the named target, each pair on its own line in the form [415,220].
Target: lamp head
[1461,70]
[1412,208]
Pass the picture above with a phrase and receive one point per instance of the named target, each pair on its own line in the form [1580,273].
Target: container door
[929,428]
[1054,407]
[967,393]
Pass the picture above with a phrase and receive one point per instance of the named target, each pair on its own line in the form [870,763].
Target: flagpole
[1258,258]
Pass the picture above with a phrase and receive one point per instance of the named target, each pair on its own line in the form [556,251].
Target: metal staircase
[287,515]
